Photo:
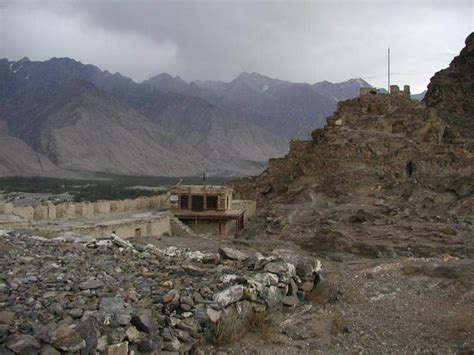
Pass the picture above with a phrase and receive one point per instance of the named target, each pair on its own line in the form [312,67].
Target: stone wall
[151,226]
[249,205]
[225,227]
[27,212]
[68,210]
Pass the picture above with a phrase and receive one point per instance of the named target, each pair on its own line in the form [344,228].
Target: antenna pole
[388,88]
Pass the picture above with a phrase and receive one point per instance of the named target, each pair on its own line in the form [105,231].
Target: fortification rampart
[69,210]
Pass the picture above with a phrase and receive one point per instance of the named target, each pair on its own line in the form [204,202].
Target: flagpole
[388,87]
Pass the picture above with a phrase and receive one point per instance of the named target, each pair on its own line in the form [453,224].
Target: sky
[300,41]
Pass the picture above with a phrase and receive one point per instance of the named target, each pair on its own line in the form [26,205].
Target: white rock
[229,296]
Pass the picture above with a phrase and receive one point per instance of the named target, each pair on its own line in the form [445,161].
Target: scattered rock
[67,339]
[118,349]
[145,323]
[150,344]
[7,317]
[232,254]
[23,344]
[229,296]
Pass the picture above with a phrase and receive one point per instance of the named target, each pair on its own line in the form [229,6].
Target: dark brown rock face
[451,90]
[374,144]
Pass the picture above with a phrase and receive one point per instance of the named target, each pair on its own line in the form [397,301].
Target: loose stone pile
[81,295]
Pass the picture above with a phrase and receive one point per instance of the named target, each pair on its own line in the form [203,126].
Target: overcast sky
[299,41]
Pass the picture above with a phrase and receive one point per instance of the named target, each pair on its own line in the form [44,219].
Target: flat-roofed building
[210,209]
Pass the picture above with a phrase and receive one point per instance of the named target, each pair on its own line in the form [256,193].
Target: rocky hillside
[451,91]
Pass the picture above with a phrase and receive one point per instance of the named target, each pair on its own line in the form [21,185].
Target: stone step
[180,228]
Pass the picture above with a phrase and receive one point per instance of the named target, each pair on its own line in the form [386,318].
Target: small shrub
[259,321]
[229,329]
[235,325]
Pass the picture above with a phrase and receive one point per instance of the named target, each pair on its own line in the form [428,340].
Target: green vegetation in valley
[105,187]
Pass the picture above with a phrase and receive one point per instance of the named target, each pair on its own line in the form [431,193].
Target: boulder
[7,317]
[229,296]
[118,349]
[232,254]
[273,297]
[194,270]
[67,339]
[145,323]
[88,331]
[281,268]
[153,343]
[23,344]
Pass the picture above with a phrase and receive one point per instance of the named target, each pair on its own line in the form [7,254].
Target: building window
[197,203]
[211,202]
[184,204]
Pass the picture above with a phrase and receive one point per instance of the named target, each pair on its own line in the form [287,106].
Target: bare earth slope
[87,130]
[16,157]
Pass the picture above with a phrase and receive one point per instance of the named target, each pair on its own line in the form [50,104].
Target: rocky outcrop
[114,297]
[451,91]
[374,144]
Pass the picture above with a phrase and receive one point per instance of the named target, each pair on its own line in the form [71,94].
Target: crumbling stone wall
[50,211]
[116,206]
[85,210]
[66,210]
[27,212]
[40,213]
[8,208]
[101,207]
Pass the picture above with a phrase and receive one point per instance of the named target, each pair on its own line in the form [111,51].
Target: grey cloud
[292,40]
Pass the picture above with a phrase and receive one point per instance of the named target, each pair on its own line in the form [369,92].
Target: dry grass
[260,322]
[234,326]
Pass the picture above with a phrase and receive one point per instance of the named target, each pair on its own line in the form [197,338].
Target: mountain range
[61,116]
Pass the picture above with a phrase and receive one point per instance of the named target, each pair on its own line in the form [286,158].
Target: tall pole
[388,88]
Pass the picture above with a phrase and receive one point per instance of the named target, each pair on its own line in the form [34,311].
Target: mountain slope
[17,158]
[36,105]
[87,130]
[225,139]
[287,109]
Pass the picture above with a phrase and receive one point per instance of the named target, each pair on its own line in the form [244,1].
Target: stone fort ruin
[184,210]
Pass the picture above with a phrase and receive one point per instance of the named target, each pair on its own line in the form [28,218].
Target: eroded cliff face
[451,90]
